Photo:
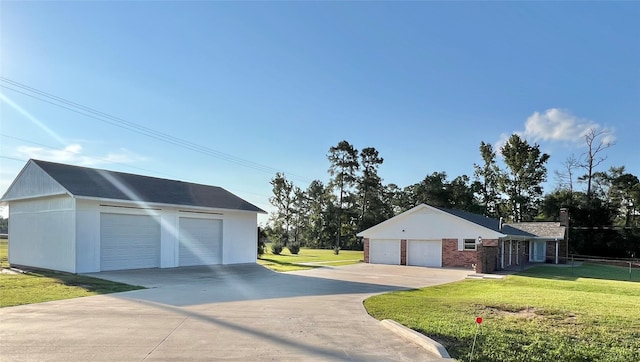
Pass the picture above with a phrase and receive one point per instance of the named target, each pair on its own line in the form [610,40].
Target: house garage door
[424,252]
[129,241]
[383,251]
[200,241]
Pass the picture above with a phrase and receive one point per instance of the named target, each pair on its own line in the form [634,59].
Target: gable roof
[95,183]
[489,223]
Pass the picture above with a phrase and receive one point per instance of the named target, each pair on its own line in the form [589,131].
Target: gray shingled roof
[90,182]
[487,222]
[542,229]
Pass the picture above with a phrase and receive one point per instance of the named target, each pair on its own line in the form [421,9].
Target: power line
[88,157]
[157,135]
[134,127]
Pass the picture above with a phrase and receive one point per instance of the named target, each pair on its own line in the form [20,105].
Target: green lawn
[538,317]
[585,270]
[44,286]
[4,255]
[289,262]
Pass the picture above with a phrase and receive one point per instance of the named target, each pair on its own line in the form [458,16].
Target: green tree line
[507,183]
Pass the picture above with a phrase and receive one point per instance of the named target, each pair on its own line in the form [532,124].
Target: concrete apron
[232,313]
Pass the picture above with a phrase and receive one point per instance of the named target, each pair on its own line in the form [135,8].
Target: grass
[586,270]
[536,316]
[4,253]
[289,262]
[43,286]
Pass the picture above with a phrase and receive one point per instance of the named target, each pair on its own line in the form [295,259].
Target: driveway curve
[243,312]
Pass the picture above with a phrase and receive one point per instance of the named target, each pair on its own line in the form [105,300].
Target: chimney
[500,224]
[564,217]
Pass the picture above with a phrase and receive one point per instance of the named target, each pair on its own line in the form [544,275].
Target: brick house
[438,237]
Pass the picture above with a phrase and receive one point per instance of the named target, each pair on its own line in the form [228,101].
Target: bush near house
[276,248]
[294,248]
[538,317]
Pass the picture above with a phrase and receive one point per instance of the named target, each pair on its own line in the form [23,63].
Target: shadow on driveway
[217,284]
[242,313]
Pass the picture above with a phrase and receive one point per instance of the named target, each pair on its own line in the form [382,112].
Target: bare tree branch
[597,142]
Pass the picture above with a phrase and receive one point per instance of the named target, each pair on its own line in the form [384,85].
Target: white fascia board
[7,201]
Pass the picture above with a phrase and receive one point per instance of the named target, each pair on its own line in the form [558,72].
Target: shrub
[262,241]
[276,248]
[294,248]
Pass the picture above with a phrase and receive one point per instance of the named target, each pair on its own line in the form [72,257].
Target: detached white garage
[81,220]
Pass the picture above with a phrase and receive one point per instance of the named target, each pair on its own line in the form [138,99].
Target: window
[469,244]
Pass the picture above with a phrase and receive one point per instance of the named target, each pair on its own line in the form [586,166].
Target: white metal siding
[424,253]
[383,251]
[42,233]
[129,241]
[200,241]
[240,235]
[33,182]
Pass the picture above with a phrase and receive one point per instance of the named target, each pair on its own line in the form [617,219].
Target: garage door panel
[384,251]
[200,241]
[129,241]
[424,253]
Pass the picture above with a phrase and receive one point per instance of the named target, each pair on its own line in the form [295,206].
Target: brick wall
[365,243]
[563,250]
[451,257]
[551,251]
[403,252]
[487,258]
[550,256]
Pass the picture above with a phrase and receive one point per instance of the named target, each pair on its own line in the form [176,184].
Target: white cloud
[557,125]
[73,154]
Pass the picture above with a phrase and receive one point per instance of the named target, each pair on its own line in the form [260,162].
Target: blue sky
[278,83]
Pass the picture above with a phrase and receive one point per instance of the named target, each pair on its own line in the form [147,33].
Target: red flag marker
[475,336]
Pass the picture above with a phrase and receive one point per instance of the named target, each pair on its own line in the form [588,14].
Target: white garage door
[383,251]
[424,252]
[200,241]
[129,242]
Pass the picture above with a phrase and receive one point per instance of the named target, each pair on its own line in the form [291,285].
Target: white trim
[464,244]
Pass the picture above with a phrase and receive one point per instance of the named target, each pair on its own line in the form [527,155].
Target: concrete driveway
[241,312]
